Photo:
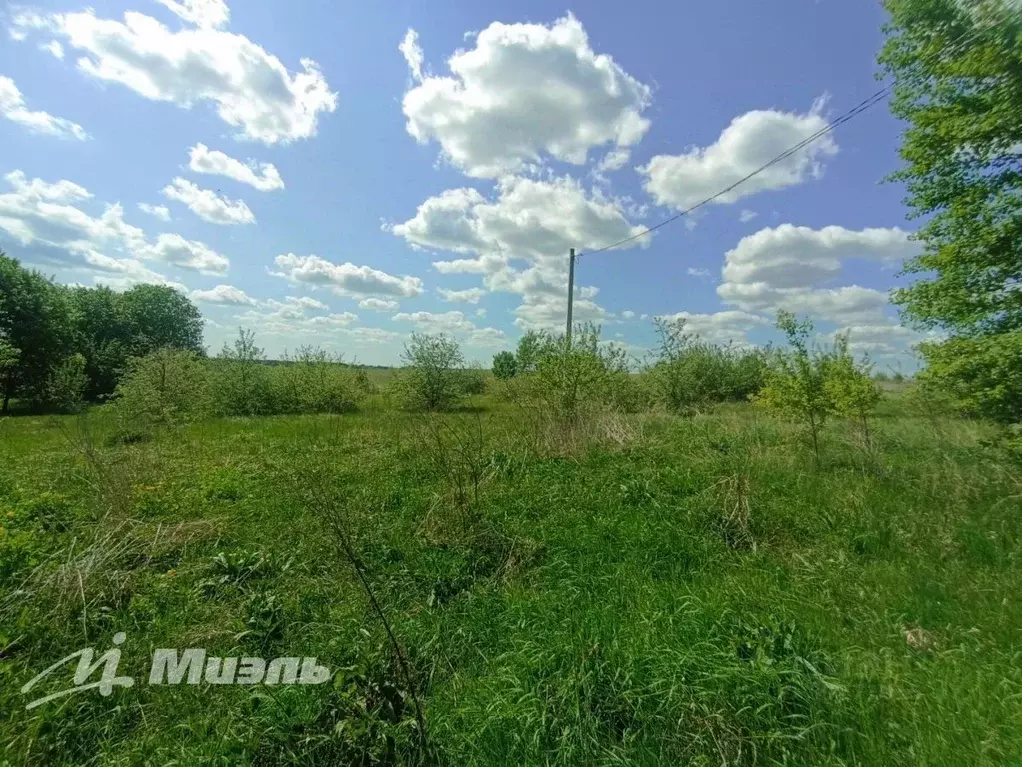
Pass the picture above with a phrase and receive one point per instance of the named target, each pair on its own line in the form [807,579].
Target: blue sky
[431,164]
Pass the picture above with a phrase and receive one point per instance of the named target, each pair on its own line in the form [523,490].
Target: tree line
[50,331]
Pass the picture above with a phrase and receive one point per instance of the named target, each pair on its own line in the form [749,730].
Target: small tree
[530,347]
[241,385]
[67,384]
[850,386]
[795,382]
[433,378]
[577,374]
[9,357]
[505,366]
[166,387]
[690,373]
[314,381]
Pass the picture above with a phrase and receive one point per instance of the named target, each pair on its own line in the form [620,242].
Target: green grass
[611,605]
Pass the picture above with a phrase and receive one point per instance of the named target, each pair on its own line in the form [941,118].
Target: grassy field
[673,591]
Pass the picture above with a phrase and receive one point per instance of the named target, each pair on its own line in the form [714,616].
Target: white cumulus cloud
[261,176]
[791,267]
[13,108]
[524,92]
[201,13]
[161,212]
[187,254]
[346,279]
[748,143]
[445,322]
[720,327]
[250,88]
[224,294]
[378,304]
[207,204]
[468,296]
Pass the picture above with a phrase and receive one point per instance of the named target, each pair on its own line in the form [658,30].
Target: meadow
[670,589]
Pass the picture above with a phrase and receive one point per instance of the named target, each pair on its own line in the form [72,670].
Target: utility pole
[571,290]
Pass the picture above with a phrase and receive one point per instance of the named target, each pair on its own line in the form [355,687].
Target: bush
[850,386]
[312,381]
[796,380]
[67,384]
[505,366]
[163,388]
[574,375]
[433,377]
[473,381]
[982,375]
[690,374]
[241,381]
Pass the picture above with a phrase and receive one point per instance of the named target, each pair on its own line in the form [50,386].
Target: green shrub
[849,385]
[505,366]
[574,375]
[433,377]
[240,378]
[166,387]
[983,375]
[67,384]
[312,381]
[689,374]
[473,381]
[796,380]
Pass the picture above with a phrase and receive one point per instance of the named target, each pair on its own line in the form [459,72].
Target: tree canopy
[958,84]
[43,325]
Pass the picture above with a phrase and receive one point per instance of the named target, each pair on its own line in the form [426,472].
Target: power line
[855,111]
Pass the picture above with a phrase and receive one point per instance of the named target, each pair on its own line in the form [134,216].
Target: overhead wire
[851,114]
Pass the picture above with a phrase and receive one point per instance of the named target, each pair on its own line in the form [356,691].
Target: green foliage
[433,376]
[312,381]
[850,387]
[68,384]
[34,321]
[505,365]
[102,336]
[796,380]
[958,84]
[241,380]
[574,376]
[473,381]
[166,387]
[529,347]
[157,317]
[982,375]
[690,374]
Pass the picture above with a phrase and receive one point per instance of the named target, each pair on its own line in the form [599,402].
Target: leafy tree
[100,333]
[796,380]
[33,327]
[433,378]
[529,347]
[241,385]
[67,384]
[505,365]
[849,385]
[169,386]
[574,375]
[689,373]
[958,84]
[156,317]
[978,376]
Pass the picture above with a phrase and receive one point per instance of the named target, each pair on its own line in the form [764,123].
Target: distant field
[679,591]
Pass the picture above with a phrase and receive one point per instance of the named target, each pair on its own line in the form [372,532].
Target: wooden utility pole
[571,289]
